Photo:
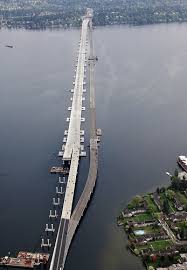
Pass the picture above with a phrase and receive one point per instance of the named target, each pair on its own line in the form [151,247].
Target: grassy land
[182,198]
[171,205]
[150,203]
[140,217]
[160,245]
[156,245]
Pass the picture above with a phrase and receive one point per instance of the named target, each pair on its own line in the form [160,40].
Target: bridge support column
[56,203]
[59,191]
[43,244]
[50,229]
[51,215]
[62,181]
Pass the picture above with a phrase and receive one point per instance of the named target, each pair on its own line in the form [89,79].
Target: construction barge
[59,170]
[25,260]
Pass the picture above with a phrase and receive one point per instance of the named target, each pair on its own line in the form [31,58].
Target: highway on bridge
[92,174]
[69,221]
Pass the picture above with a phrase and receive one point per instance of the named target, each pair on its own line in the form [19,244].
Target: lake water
[141,90]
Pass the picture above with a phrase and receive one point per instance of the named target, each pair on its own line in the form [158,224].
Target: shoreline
[156,225]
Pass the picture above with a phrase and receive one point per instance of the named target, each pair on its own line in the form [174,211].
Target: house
[178,204]
[130,213]
[145,223]
[177,266]
[178,216]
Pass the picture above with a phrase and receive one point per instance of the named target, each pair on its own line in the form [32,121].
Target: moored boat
[182,161]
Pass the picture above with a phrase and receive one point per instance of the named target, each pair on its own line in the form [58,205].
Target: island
[156,225]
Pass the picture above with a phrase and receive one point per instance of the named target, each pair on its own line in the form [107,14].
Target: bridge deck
[92,174]
[68,200]
[71,152]
[73,138]
[72,148]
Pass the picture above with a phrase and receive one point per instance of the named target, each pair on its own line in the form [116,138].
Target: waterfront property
[156,224]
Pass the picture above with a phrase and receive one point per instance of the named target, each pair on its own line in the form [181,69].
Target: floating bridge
[72,149]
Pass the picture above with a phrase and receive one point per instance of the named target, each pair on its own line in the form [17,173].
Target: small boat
[9,46]
[169,174]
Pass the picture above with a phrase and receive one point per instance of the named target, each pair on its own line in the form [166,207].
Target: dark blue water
[141,108]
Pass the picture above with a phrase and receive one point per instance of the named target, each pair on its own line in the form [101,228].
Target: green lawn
[182,224]
[160,244]
[143,217]
[156,245]
[151,205]
[182,198]
[157,215]
[171,205]
[140,217]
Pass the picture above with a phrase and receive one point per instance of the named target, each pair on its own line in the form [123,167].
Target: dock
[25,260]
[59,170]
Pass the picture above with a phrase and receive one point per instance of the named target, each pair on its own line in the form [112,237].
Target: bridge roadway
[92,174]
[68,223]
[71,152]
[72,147]
[73,138]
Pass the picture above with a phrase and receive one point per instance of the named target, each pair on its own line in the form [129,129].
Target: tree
[176,184]
[162,190]
[166,207]
[136,201]
[170,194]
[176,173]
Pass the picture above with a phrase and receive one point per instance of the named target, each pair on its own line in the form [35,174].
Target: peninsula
[156,225]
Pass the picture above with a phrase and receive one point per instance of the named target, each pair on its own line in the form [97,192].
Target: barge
[25,260]
[59,170]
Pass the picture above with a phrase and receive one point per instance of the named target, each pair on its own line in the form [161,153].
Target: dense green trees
[67,13]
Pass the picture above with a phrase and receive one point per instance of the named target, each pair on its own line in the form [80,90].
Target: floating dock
[59,170]
[25,260]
